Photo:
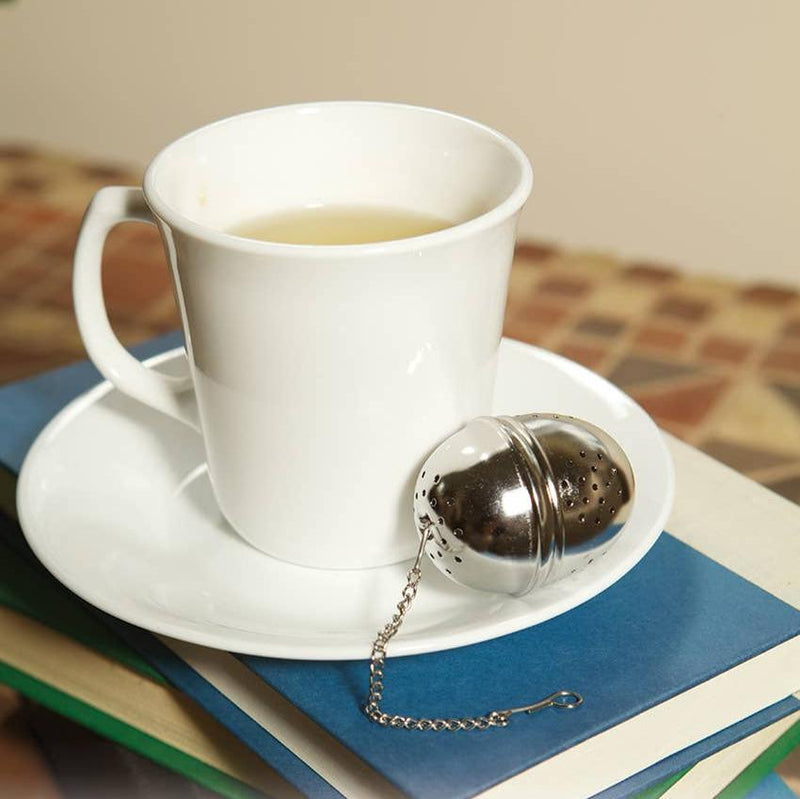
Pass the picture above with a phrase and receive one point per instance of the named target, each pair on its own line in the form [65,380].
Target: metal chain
[564,700]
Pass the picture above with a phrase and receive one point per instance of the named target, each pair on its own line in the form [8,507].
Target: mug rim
[498,213]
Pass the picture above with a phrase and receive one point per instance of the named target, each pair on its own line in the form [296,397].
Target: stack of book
[688,665]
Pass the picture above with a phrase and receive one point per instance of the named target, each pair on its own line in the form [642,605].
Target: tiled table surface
[715,362]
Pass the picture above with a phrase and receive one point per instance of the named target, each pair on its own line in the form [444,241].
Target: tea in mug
[340,224]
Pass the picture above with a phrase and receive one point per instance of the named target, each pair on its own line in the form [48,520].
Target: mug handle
[167,393]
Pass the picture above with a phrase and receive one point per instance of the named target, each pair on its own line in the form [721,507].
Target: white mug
[321,376]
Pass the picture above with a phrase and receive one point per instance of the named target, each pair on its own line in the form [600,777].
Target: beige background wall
[659,130]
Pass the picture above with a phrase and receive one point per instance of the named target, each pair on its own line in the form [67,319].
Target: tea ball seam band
[518,502]
[540,483]
[562,700]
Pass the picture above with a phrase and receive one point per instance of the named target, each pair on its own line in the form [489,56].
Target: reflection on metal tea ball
[511,503]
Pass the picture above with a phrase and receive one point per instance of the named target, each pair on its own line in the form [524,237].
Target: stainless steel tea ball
[506,504]
[515,502]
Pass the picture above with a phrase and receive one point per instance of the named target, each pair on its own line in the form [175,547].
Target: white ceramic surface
[114,499]
[322,371]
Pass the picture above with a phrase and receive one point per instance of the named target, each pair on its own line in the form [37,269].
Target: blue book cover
[674,621]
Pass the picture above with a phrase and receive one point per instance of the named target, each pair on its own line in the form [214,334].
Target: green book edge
[27,588]
[122,733]
[655,791]
[762,765]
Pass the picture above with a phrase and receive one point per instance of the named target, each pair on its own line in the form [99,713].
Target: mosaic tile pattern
[714,362]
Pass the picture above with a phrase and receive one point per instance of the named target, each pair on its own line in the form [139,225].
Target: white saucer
[115,501]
